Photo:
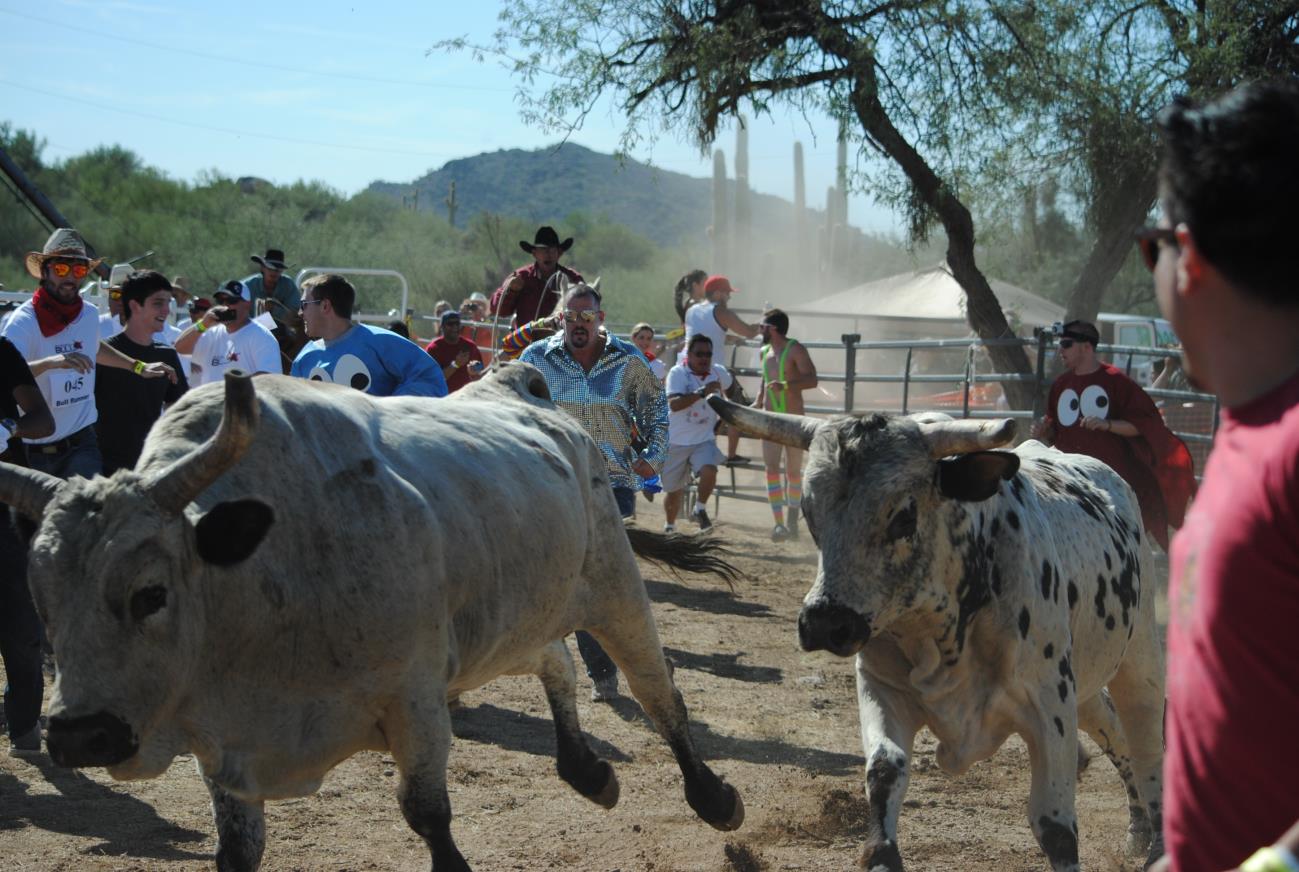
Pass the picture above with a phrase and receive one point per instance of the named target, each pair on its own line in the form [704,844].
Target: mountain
[547,184]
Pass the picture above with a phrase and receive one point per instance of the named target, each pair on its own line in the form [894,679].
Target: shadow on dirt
[718,602]
[83,807]
[724,666]
[516,731]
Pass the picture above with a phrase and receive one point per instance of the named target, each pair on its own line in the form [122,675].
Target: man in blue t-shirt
[370,359]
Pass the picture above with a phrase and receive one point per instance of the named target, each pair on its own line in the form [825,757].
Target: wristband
[1274,858]
[200,326]
[138,368]
[11,426]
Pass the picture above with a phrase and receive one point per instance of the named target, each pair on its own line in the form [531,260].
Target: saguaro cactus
[452,205]
[743,233]
[801,238]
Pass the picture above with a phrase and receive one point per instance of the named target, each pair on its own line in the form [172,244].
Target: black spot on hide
[1086,500]
[1059,726]
[367,467]
[1023,623]
[1046,579]
[1100,596]
[974,590]
[1011,518]
[1073,595]
[1109,622]
[1049,651]
[1066,670]
[1058,841]
[1064,691]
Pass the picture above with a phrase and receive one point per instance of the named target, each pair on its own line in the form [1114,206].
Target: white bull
[296,573]
[983,593]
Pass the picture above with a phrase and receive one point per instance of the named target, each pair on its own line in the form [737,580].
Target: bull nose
[101,739]
[832,627]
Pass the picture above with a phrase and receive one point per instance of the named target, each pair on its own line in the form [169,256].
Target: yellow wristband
[1269,859]
[200,326]
[138,368]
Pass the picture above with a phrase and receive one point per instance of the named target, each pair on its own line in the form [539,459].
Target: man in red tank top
[1225,278]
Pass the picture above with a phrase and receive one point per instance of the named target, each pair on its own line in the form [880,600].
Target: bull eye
[147,600]
[903,523]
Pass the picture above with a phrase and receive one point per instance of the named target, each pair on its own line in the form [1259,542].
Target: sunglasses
[1148,239]
[62,270]
[701,354]
[586,316]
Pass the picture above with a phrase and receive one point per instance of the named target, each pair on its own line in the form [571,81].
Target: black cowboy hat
[547,237]
[274,259]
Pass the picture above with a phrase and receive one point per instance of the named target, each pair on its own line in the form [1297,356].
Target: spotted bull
[983,593]
[295,573]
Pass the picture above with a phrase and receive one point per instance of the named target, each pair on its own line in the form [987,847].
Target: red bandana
[53,316]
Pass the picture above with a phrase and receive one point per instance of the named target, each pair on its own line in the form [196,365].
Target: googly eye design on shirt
[1095,402]
[1066,408]
[351,370]
[320,374]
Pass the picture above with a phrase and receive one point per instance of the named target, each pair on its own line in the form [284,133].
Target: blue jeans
[80,456]
[598,664]
[20,634]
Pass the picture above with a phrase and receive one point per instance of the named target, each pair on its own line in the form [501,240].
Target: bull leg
[888,732]
[1138,693]
[1098,718]
[241,830]
[577,763]
[418,730]
[634,645]
[1052,740]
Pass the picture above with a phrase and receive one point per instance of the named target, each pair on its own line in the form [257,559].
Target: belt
[62,445]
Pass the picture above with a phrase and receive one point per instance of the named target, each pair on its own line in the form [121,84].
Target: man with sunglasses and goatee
[1094,409]
[57,333]
[606,384]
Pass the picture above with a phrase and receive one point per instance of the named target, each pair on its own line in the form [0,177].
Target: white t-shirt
[693,424]
[109,326]
[701,318]
[69,394]
[251,348]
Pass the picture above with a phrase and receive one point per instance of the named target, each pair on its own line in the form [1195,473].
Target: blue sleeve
[417,373]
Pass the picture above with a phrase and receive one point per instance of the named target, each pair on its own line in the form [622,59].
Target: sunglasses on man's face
[586,316]
[62,270]
[1148,240]
[701,353]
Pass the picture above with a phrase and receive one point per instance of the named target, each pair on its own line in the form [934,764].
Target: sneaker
[735,459]
[605,689]
[779,533]
[26,745]
[669,528]
[701,517]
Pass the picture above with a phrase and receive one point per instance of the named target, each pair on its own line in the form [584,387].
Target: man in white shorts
[690,430]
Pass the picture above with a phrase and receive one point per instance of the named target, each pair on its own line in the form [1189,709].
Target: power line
[63,25]
[230,130]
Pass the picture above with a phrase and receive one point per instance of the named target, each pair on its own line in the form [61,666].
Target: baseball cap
[1083,331]
[450,314]
[234,288]
[200,304]
[718,283]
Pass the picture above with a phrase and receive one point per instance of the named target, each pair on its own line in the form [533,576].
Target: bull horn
[962,436]
[793,430]
[27,490]
[178,485]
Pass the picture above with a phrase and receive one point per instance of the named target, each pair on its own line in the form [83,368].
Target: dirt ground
[778,723]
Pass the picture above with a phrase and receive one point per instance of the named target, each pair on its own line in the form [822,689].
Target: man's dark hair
[399,327]
[778,320]
[139,285]
[1229,174]
[336,289]
[698,339]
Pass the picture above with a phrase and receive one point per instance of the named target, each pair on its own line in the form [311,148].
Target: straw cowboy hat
[64,242]
[546,238]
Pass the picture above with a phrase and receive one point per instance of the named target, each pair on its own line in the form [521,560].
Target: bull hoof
[608,795]
[883,857]
[736,817]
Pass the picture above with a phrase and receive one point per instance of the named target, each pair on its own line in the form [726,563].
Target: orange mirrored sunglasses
[61,269]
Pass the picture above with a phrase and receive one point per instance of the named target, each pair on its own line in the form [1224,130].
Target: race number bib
[69,387]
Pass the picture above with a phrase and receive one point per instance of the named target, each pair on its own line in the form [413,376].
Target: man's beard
[63,291]
[579,338]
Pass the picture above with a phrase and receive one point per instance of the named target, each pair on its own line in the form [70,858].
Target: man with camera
[226,338]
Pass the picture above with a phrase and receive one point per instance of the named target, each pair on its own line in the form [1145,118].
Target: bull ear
[975,477]
[231,532]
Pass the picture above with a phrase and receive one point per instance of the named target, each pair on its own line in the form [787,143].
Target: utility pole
[33,195]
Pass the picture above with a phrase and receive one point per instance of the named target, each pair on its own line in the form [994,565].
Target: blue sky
[341,92]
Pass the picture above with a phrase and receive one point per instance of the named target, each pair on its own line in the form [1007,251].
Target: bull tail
[675,551]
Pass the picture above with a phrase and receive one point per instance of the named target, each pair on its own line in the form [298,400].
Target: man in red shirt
[1225,277]
[1094,409]
[525,293]
[460,359]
